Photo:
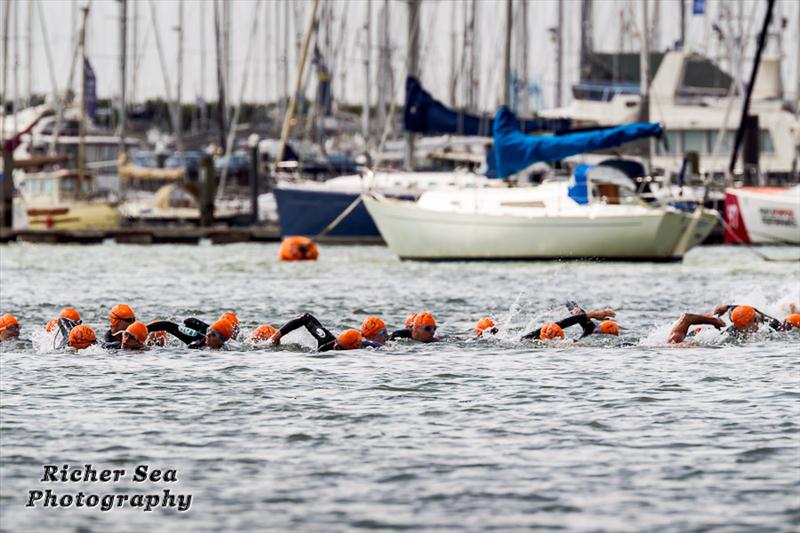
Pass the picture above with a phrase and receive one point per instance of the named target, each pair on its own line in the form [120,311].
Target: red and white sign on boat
[763,215]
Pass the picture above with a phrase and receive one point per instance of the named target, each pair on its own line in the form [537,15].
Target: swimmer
[213,337]
[82,336]
[120,317]
[423,329]
[374,329]
[9,327]
[134,337]
[579,316]
[350,339]
[263,333]
[198,325]
[746,319]
[405,332]
[68,313]
[792,322]
[485,326]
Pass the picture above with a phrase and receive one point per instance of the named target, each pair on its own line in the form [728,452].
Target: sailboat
[597,214]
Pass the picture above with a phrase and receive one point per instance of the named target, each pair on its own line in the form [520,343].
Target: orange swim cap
[372,326]
[51,325]
[742,316]
[551,331]
[298,249]
[121,312]
[482,325]
[8,320]
[263,333]
[81,336]
[608,327]
[793,320]
[231,317]
[70,314]
[349,339]
[138,330]
[223,327]
[410,320]
[424,319]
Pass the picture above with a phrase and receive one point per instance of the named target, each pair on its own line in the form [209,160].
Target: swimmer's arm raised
[308,321]
[687,320]
[173,329]
[580,318]
[196,324]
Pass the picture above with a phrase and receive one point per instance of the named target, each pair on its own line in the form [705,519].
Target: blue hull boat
[304,211]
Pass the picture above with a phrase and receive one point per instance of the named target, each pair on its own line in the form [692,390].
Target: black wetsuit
[111,341]
[584,321]
[65,326]
[325,339]
[404,333]
[189,336]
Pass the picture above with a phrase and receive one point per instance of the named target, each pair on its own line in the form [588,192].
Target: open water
[606,434]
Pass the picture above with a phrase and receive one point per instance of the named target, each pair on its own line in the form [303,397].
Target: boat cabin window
[613,194]
[765,141]
[727,142]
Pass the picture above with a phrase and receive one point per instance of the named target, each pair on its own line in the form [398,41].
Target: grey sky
[439,20]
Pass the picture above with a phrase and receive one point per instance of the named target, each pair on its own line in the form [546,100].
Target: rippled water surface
[615,434]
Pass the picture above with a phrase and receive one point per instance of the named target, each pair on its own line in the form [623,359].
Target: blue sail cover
[424,114]
[514,151]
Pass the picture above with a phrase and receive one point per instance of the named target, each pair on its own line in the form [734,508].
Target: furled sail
[514,151]
[424,114]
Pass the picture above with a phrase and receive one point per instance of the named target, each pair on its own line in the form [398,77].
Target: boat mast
[123,35]
[507,58]
[367,85]
[644,74]
[16,68]
[472,57]
[524,38]
[82,123]
[135,49]
[179,82]
[412,68]
[202,111]
[285,99]
[682,8]
[220,77]
[287,120]
[173,108]
[5,67]
[587,38]
[30,52]
[762,39]
[559,52]
[383,67]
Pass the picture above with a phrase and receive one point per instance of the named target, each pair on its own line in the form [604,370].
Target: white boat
[690,97]
[307,207]
[548,221]
[763,215]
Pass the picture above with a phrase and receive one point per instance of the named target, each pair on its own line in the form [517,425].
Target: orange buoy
[298,249]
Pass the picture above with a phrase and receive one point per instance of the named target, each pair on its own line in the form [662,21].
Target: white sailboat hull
[649,234]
